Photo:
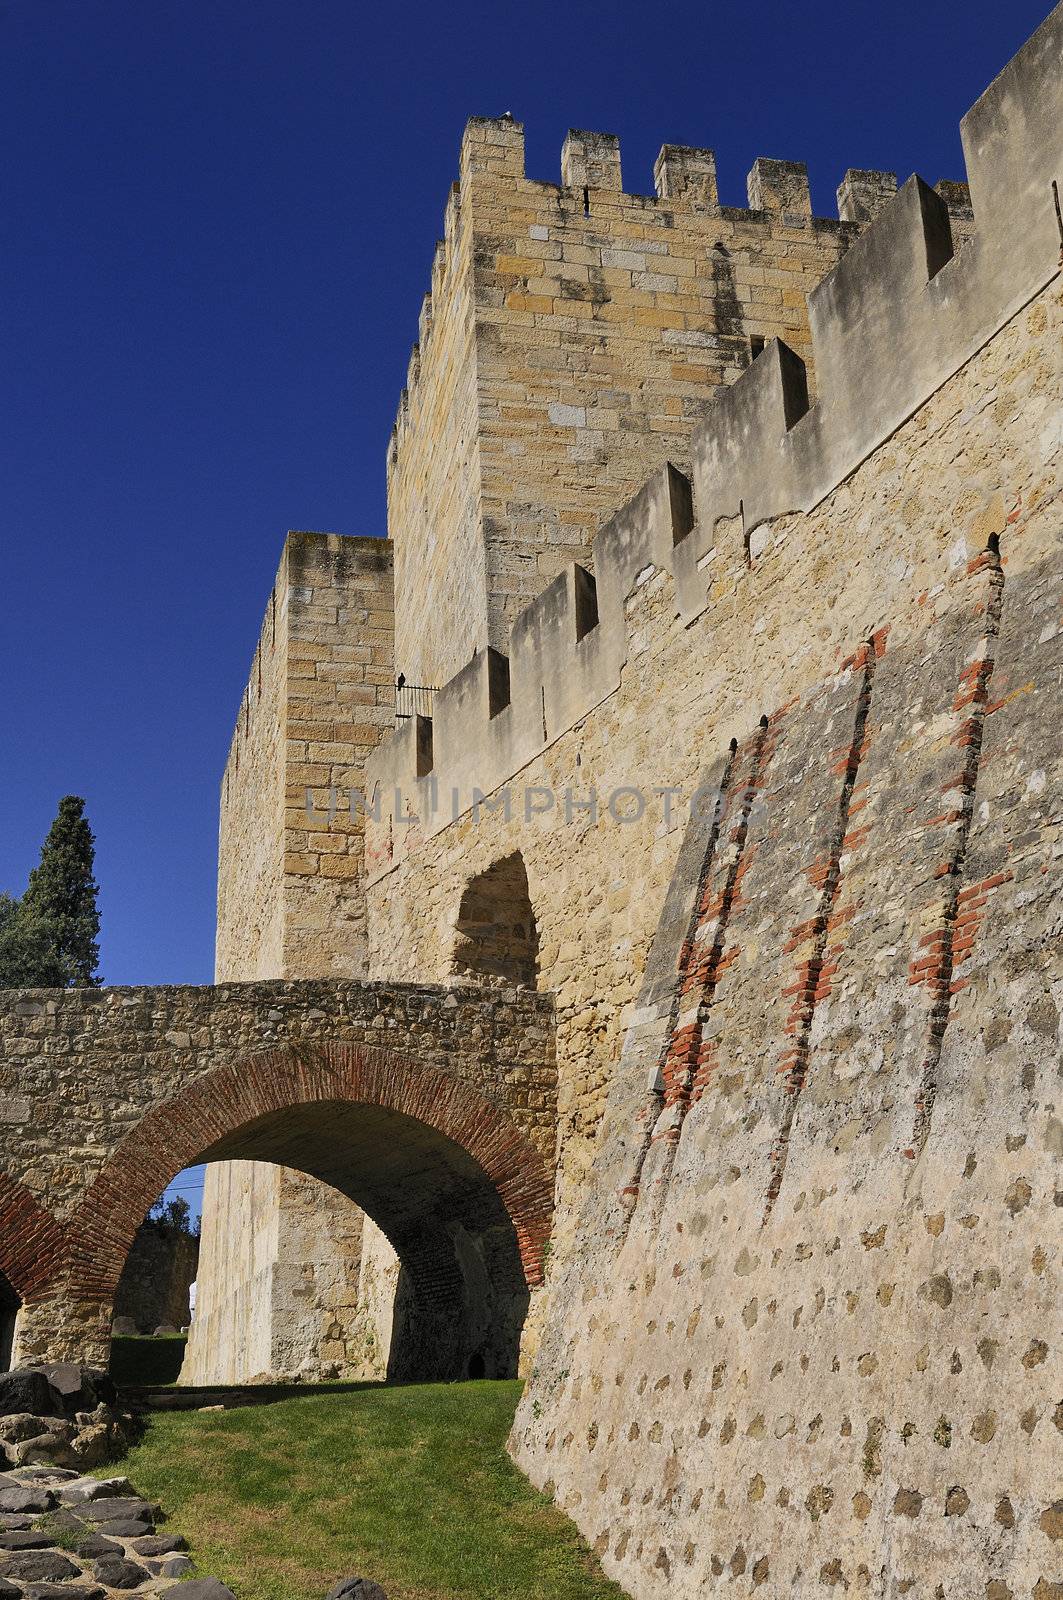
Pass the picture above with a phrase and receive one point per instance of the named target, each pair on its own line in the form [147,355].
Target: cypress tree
[48,939]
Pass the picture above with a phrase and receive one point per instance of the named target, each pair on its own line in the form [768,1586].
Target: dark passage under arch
[464,1294]
[9,1309]
[464,1198]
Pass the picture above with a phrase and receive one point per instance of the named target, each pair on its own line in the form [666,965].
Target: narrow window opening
[586,201]
[757,342]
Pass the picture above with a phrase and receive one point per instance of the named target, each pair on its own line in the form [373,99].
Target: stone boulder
[94,1545]
[160,1544]
[356,1589]
[63,1591]
[33,1500]
[52,1445]
[131,1509]
[176,1566]
[114,1572]
[39,1566]
[78,1490]
[20,1425]
[82,1388]
[27,1391]
[26,1539]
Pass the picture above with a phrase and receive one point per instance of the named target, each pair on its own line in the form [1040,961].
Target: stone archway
[461,1193]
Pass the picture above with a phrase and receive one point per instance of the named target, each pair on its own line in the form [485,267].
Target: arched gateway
[433,1109]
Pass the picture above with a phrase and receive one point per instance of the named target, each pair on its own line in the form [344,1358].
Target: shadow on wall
[496,932]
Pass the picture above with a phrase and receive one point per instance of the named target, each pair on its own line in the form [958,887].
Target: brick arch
[214,1108]
[32,1242]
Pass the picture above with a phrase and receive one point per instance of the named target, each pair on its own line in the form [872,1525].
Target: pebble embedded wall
[801,1328]
[573,337]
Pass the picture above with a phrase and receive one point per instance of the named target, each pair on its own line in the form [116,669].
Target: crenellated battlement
[573,337]
[898,315]
[685,178]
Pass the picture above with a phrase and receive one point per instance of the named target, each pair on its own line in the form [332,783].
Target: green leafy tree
[49,938]
[173,1216]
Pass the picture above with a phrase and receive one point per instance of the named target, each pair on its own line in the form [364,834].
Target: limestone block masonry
[276,1273]
[573,336]
[320,697]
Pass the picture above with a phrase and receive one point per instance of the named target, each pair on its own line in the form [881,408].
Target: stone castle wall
[435,495]
[159,1270]
[775,765]
[284,1258]
[852,1307]
[433,1109]
[801,1314]
[320,697]
[573,337]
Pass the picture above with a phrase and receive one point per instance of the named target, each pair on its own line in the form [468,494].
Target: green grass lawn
[410,1486]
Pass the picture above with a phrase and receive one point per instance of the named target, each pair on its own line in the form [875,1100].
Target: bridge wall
[115,1090]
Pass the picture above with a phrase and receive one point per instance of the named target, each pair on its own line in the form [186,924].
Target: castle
[639,955]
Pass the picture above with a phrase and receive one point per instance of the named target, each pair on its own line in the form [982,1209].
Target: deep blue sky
[217,224]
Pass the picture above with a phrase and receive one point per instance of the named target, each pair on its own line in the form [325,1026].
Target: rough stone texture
[320,697]
[282,1294]
[573,338]
[802,1322]
[357,1589]
[160,1268]
[825,1035]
